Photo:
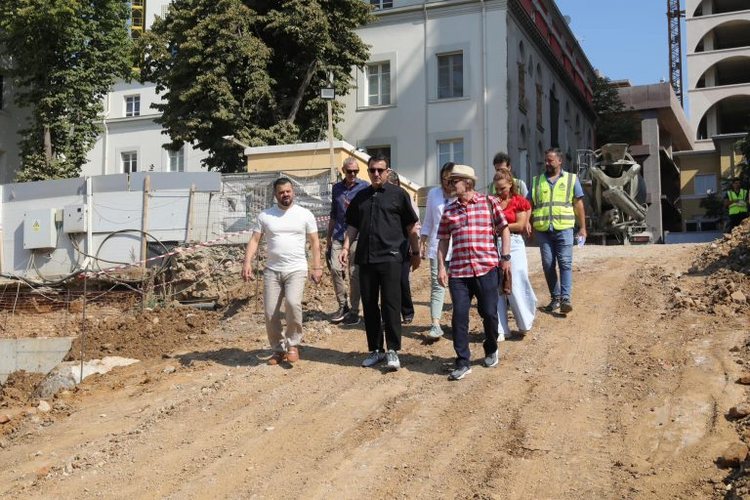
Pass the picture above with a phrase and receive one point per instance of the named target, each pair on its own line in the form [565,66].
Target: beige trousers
[280,287]
[338,275]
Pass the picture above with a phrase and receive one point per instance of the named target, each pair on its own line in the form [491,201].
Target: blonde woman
[522,298]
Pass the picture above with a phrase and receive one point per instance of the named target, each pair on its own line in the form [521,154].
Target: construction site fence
[233,212]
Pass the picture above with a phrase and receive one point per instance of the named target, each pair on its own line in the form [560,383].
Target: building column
[652,173]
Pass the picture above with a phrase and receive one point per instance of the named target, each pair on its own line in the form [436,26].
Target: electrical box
[39,229]
[75,219]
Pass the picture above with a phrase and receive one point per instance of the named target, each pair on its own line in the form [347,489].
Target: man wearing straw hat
[472,222]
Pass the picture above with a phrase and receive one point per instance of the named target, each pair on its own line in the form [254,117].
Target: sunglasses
[378,170]
[348,172]
[457,180]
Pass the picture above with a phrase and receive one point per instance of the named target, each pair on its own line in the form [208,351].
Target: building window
[378,84]
[133,105]
[129,160]
[176,160]
[704,184]
[450,75]
[450,150]
[522,104]
[381,4]
[539,111]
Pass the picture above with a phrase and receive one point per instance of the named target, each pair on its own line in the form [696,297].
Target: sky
[624,39]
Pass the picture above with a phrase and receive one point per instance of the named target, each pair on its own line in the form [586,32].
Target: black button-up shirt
[381,216]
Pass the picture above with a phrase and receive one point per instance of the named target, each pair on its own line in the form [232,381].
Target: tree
[250,68]
[64,56]
[613,122]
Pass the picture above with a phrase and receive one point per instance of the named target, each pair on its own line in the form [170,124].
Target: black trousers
[381,281]
[407,305]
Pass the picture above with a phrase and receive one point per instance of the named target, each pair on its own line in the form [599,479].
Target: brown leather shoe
[277,358]
[292,355]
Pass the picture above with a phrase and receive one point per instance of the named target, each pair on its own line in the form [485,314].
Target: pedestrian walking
[556,204]
[522,299]
[502,160]
[342,193]
[437,199]
[287,227]
[380,215]
[472,221]
[735,201]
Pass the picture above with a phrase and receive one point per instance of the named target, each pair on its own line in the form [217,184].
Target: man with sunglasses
[342,194]
[471,222]
[381,215]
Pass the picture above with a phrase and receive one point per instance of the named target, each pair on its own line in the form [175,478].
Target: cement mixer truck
[615,194]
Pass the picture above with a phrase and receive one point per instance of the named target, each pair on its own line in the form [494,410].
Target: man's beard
[285,201]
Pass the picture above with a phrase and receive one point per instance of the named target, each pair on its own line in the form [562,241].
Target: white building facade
[130,140]
[458,80]
[718,63]
[448,80]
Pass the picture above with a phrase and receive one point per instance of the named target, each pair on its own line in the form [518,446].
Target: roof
[660,97]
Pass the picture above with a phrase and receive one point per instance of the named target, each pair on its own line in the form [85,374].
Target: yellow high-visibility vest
[553,205]
[737,202]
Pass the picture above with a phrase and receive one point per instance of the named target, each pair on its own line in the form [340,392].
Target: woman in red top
[522,298]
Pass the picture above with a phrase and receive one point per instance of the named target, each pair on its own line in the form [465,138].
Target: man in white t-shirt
[287,227]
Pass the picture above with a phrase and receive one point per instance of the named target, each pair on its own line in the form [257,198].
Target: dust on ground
[627,397]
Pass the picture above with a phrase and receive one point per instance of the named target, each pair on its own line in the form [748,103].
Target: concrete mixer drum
[615,194]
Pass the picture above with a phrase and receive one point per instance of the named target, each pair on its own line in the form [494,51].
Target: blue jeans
[484,288]
[556,248]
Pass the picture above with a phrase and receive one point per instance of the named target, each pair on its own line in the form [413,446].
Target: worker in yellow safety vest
[556,204]
[735,201]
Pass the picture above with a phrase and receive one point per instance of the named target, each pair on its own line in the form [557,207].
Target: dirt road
[624,398]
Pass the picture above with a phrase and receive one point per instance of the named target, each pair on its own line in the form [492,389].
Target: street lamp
[328,94]
[234,140]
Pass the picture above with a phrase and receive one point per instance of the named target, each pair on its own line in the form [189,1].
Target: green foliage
[65,55]
[613,122]
[250,68]
[713,203]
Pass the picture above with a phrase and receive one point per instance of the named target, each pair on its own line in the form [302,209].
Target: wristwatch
[505,257]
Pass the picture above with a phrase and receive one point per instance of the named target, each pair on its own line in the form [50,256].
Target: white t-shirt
[286,236]
[436,203]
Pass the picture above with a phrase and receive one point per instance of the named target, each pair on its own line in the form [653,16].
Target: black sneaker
[553,306]
[566,306]
[340,314]
[350,319]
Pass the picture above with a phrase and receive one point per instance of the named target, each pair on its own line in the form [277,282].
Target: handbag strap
[494,230]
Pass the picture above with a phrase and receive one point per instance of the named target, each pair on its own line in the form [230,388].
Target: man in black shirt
[381,215]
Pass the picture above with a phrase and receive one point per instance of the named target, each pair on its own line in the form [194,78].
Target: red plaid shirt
[474,252]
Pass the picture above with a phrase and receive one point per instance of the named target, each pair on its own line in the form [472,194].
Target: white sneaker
[435,332]
[392,360]
[501,337]
[492,360]
[373,359]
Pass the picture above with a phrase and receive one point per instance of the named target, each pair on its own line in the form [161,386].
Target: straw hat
[464,171]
